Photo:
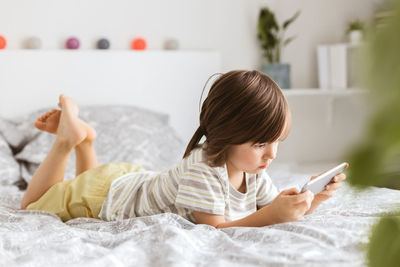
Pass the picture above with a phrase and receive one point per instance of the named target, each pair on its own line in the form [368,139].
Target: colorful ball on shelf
[3,42]
[72,43]
[139,44]
[33,43]
[171,44]
[103,44]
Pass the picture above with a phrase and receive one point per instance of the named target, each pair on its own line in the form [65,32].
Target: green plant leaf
[381,141]
[288,40]
[384,247]
[268,29]
[289,21]
[375,160]
[355,25]
[270,34]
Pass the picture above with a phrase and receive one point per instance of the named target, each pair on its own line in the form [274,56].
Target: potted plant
[272,40]
[355,31]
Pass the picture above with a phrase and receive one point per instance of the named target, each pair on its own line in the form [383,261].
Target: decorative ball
[33,43]
[171,44]
[72,43]
[3,42]
[103,44]
[139,44]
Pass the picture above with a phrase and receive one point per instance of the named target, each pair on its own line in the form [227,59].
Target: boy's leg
[86,157]
[49,172]
[70,133]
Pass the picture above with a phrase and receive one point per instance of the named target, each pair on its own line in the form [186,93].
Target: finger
[334,186]
[326,194]
[339,177]
[304,205]
[291,191]
[308,195]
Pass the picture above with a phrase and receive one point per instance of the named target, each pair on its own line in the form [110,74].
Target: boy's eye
[259,145]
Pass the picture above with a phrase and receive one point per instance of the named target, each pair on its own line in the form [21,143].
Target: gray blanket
[336,234]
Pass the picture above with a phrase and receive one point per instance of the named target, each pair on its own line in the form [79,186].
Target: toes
[40,125]
[48,114]
[60,99]
[44,116]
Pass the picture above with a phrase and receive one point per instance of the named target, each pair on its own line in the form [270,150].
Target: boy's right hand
[290,206]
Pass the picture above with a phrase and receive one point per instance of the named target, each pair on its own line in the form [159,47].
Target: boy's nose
[270,154]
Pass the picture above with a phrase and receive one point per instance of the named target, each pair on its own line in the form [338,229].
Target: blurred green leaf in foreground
[375,161]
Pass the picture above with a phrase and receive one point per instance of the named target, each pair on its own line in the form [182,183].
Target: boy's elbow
[210,219]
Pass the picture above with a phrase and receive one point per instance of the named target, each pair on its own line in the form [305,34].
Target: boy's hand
[330,190]
[289,205]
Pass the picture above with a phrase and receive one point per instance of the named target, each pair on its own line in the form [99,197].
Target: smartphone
[318,184]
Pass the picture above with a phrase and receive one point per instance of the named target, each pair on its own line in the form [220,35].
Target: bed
[336,234]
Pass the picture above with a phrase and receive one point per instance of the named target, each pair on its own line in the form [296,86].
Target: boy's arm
[284,208]
[261,217]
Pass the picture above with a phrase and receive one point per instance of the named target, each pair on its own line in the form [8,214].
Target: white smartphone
[318,184]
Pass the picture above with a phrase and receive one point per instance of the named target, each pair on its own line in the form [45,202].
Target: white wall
[322,127]
[325,125]
[321,21]
[228,26]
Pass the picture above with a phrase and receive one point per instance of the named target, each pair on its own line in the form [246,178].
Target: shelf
[104,51]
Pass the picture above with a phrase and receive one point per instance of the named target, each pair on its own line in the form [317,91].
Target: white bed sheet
[336,234]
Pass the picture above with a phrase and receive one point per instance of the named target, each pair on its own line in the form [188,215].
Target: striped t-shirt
[192,185]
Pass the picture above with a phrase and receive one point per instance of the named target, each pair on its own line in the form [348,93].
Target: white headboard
[165,81]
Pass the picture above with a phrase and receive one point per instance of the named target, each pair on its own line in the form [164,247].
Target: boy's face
[251,158]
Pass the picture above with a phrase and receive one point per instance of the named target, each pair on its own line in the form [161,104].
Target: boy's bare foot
[49,122]
[71,130]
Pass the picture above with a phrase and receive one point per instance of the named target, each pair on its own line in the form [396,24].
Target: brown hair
[241,106]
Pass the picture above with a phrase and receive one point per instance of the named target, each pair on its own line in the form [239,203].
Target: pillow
[9,168]
[19,131]
[124,133]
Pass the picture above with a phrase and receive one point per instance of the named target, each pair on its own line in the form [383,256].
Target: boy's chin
[256,171]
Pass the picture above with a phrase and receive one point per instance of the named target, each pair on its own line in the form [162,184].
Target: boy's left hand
[329,191]
[330,188]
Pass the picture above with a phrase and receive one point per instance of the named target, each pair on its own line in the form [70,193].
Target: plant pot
[279,72]
[355,37]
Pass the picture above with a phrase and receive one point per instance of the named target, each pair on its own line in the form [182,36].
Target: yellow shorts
[84,195]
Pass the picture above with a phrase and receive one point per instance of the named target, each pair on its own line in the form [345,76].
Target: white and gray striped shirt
[192,185]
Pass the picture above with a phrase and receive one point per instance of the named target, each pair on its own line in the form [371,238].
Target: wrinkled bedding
[334,235]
